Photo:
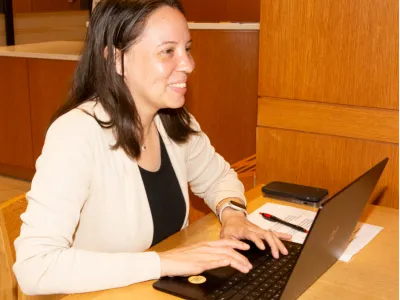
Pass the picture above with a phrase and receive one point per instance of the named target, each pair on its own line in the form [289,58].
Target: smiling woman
[119,155]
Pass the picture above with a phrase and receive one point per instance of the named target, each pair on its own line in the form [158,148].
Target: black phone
[295,193]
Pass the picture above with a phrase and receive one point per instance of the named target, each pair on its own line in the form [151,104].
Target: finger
[230,243]
[223,262]
[218,263]
[254,237]
[233,255]
[240,267]
[283,236]
[268,236]
[280,245]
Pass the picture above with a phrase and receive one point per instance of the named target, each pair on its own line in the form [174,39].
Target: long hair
[118,24]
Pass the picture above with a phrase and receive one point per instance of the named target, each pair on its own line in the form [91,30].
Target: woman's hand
[235,226]
[197,258]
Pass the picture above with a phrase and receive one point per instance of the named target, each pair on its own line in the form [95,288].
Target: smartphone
[295,193]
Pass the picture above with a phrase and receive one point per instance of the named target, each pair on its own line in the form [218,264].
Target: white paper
[297,216]
[363,234]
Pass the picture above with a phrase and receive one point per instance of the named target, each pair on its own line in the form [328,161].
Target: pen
[276,219]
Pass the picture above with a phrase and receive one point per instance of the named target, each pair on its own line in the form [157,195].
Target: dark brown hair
[117,24]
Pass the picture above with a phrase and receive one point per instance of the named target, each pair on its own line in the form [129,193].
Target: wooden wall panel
[342,120]
[200,10]
[15,129]
[326,161]
[55,5]
[240,11]
[2,30]
[49,82]
[337,51]
[22,6]
[222,94]
[222,10]
[50,26]
[222,91]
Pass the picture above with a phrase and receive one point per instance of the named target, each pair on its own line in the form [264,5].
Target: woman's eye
[169,51]
[188,49]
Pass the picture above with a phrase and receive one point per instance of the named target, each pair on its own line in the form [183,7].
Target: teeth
[178,85]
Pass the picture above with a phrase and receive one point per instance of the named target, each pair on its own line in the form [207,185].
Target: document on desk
[363,234]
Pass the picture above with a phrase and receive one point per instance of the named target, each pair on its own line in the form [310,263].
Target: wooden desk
[373,273]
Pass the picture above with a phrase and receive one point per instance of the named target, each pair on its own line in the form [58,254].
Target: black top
[167,204]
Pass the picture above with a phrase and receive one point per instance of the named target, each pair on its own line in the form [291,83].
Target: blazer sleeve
[46,261]
[209,175]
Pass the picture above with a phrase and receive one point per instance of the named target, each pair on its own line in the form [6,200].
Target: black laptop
[289,276]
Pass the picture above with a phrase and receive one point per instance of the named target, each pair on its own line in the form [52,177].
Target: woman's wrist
[229,213]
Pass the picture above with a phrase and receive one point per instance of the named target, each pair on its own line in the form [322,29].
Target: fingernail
[276,254]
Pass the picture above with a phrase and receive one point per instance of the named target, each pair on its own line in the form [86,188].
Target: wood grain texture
[222,95]
[2,30]
[52,5]
[15,129]
[11,210]
[22,6]
[49,84]
[50,26]
[341,120]
[17,172]
[338,52]
[222,10]
[326,161]
[222,91]
[8,283]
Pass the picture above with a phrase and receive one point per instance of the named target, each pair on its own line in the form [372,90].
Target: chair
[10,225]
[246,170]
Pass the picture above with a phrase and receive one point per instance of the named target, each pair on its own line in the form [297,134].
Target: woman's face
[157,66]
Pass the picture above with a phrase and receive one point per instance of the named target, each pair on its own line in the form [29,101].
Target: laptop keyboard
[266,280]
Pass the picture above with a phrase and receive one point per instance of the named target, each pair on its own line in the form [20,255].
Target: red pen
[276,219]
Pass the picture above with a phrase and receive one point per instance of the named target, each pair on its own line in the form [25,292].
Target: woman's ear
[117,58]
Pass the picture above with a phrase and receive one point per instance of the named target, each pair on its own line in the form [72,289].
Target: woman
[119,154]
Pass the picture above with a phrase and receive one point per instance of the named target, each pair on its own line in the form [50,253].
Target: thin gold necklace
[144,147]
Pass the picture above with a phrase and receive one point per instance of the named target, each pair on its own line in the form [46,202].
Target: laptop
[289,276]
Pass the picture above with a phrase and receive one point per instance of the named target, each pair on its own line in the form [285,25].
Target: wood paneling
[342,120]
[222,91]
[222,10]
[240,11]
[2,30]
[50,26]
[204,10]
[338,51]
[22,6]
[15,129]
[325,161]
[222,95]
[55,5]
[49,83]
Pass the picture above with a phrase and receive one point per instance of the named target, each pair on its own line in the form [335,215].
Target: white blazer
[88,220]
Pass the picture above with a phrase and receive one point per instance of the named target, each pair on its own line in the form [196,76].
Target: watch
[234,205]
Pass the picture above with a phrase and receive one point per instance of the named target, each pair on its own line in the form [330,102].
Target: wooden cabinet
[222,10]
[27,6]
[55,5]
[49,84]
[22,6]
[16,156]
[328,93]
[31,90]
